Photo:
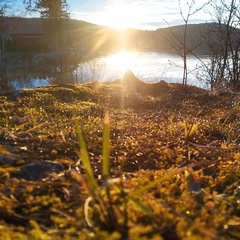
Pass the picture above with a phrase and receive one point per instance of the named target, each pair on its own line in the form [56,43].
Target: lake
[147,66]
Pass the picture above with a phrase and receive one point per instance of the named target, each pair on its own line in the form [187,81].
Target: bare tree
[5,6]
[179,42]
[224,44]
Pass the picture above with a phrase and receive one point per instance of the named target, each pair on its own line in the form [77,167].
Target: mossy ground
[148,141]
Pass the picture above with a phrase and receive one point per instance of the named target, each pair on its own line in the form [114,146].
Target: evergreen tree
[53,9]
[55,15]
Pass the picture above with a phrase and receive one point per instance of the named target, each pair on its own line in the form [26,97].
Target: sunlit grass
[110,198]
[158,166]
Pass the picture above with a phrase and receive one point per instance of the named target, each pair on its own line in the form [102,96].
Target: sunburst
[120,15]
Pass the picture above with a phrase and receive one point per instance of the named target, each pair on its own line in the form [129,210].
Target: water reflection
[25,77]
[27,70]
[149,67]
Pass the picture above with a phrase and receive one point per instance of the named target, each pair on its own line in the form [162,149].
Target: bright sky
[148,14]
[140,14]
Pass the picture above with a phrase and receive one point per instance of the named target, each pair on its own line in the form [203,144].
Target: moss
[65,93]
[147,144]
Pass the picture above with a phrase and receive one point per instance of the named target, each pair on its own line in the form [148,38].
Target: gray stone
[37,170]
[7,159]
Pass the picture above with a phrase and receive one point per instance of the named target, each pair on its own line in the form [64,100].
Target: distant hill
[80,34]
[93,37]
[17,25]
[196,34]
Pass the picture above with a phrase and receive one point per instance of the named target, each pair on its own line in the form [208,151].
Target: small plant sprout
[110,199]
[102,195]
[189,131]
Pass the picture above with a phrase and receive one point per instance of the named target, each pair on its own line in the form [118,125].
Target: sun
[120,15]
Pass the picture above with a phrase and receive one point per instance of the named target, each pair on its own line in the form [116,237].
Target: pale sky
[149,14]
[140,14]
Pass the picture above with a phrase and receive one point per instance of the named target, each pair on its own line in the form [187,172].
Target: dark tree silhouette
[53,9]
[55,14]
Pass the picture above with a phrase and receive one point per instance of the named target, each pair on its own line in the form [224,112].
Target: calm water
[149,67]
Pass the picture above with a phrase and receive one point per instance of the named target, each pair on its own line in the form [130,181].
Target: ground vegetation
[124,160]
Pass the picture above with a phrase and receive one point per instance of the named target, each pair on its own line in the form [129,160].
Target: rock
[131,81]
[157,89]
[7,159]
[37,170]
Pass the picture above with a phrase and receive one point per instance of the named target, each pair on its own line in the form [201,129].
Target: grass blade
[83,155]
[140,206]
[106,147]
[154,183]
